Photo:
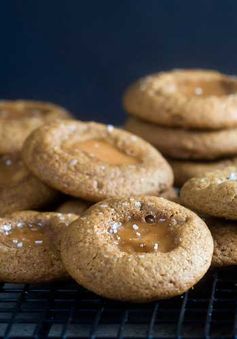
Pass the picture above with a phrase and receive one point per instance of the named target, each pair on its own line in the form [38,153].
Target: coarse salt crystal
[137,204]
[38,242]
[232,176]
[73,162]
[110,128]
[135,227]
[7,227]
[19,244]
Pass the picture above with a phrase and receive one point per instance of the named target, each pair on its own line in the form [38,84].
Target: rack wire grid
[65,310]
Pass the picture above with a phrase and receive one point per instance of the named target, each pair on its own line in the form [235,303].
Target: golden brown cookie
[199,99]
[94,161]
[185,170]
[19,118]
[186,144]
[224,234]
[19,189]
[76,206]
[29,246]
[137,249]
[214,193]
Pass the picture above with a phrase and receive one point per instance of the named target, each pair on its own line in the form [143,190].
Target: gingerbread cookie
[76,206]
[94,161]
[19,118]
[215,193]
[137,249]
[224,234]
[184,169]
[186,144]
[198,99]
[29,246]
[19,189]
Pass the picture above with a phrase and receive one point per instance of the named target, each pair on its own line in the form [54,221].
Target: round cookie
[185,170]
[76,206]
[20,117]
[19,189]
[29,246]
[224,234]
[214,194]
[198,99]
[94,161]
[186,144]
[137,249]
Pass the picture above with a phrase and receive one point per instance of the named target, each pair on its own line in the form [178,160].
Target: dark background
[82,54]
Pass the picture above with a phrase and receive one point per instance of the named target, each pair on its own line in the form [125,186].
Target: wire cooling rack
[65,310]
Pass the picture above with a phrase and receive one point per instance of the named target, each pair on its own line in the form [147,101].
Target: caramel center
[21,112]
[208,88]
[145,236]
[100,150]
[23,234]
[12,170]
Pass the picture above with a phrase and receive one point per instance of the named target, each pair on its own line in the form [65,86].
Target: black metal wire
[65,310]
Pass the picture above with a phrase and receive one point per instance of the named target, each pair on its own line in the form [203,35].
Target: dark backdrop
[82,54]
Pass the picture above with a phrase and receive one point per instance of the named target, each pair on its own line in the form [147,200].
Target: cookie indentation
[146,237]
[101,150]
[217,87]
[23,234]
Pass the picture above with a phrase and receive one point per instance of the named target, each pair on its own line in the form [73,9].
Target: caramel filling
[21,112]
[12,170]
[146,236]
[208,88]
[100,150]
[23,234]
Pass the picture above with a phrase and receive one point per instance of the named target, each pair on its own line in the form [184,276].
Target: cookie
[19,189]
[224,234]
[29,246]
[199,99]
[76,206]
[186,144]
[94,161]
[137,249]
[19,118]
[184,169]
[214,194]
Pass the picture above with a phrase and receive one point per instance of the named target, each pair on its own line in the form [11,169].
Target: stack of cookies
[129,245]
[214,196]
[190,116]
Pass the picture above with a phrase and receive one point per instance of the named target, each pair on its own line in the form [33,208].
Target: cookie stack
[130,246]
[189,115]
[214,196]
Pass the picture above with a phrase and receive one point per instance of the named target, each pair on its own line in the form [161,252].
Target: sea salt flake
[19,244]
[156,246]
[232,176]
[73,162]
[137,204]
[20,224]
[135,227]
[15,241]
[110,128]
[198,91]
[38,242]
[114,226]
[7,227]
